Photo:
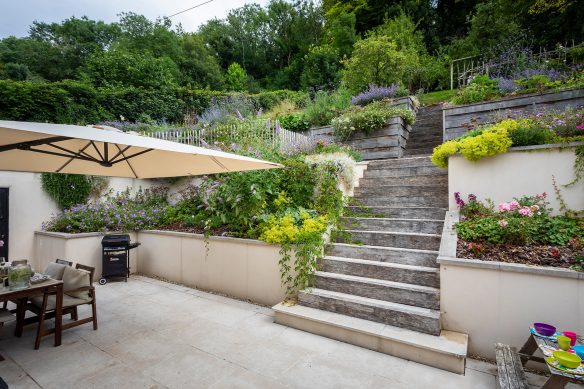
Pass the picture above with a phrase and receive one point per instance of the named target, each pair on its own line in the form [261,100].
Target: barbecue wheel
[102,281]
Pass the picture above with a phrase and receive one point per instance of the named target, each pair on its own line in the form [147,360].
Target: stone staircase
[378,287]
[426,132]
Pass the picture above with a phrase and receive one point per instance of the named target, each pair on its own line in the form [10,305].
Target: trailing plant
[67,189]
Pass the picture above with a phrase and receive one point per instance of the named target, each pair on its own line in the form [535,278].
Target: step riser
[388,191]
[414,152]
[405,171]
[381,255]
[439,180]
[404,201]
[419,226]
[403,162]
[399,213]
[408,276]
[379,315]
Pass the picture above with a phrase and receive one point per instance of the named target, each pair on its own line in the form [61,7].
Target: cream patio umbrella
[103,151]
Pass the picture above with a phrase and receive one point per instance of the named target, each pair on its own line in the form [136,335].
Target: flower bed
[519,231]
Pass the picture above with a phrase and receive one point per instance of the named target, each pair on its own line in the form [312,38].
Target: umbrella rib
[129,156]
[73,154]
[96,149]
[38,142]
[72,158]
[219,163]
[128,162]
[62,155]
[119,152]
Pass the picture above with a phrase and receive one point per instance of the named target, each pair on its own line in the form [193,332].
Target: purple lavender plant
[508,86]
[375,92]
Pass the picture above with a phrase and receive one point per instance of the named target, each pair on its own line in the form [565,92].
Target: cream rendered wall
[517,173]
[29,207]
[499,302]
[242,268]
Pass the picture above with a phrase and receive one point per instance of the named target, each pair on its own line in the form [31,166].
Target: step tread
[390,265]
[396,233]
[378,282]
[393,219]
[388,248]
[448,343]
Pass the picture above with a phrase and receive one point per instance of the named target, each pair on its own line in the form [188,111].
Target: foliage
[523,221]
[68,189]
[326,106]
[437,97]
[294,122]
[368,119]
[322,147]
[442,152]
[480,89]
[321,69]
[375,93]
[236,78]
[489,143]
[120,212]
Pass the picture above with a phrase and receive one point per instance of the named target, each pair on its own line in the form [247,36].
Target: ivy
[69,190]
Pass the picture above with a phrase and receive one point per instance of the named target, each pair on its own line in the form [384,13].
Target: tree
[341,33]
[123,68]
[375,60]
[198,67]
[321,69]
[236,78]
[16,71]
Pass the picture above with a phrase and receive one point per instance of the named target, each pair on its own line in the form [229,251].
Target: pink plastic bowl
[572,335]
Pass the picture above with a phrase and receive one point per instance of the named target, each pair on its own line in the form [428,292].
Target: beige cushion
[55,270]
[68,301]
[76,278]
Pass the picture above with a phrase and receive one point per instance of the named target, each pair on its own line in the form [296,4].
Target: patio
[154,334]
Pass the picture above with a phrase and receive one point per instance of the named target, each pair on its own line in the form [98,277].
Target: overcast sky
[17,15]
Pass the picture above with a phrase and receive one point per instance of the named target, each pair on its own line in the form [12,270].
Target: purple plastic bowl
[544,329]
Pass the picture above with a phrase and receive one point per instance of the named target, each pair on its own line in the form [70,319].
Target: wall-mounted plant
[69,190]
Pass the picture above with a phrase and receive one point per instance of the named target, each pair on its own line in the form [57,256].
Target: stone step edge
[391,265]
[447,351]
[378,282]
[401,159]
[394,219]
[412,234]
[398,207]
[388,248]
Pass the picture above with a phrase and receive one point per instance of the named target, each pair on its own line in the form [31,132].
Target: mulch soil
[182,227]
[527,255]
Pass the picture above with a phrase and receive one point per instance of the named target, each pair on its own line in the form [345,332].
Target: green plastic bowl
[567,359]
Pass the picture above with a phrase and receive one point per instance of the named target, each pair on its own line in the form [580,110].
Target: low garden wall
[458,120]
[387,142]
[498,302]
[518,172]
[242,268]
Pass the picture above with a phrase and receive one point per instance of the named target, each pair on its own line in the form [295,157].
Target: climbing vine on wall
[69,190]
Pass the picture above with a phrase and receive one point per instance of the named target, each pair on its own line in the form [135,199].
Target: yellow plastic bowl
[567,359]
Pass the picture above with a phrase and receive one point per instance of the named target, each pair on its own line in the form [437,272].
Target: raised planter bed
[496,302]
[458,120]
[242,268]
[519,171]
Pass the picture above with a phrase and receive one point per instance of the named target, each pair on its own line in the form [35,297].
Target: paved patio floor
[158,335]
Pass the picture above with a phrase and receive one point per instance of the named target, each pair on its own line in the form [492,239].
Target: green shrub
[473,93]
[326,106]
[531,135]
[67,189]
[294,122]
[488,144]
[443,152]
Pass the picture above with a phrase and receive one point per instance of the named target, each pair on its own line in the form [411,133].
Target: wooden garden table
[558,378]
[22,296]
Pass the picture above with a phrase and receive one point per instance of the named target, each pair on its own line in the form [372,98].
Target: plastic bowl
[567,359]
[544,329]
[579,350]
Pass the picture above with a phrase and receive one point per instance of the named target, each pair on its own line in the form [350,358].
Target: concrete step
[397,212]
[403,201]
[395,292]
[400,255]
[406,240]
[446,351]
[401,190]
[424,226]
[401,162]
[417,275]
[437,179]
[406,171]
[414,318]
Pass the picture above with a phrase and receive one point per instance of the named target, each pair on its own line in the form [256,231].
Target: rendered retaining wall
[242,268]
[458,120]
[497,302]
[518,172]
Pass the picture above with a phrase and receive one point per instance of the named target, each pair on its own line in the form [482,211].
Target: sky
[17,15]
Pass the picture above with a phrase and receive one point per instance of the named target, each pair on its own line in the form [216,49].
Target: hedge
[75,102]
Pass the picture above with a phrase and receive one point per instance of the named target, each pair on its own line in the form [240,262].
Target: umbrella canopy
[103,151]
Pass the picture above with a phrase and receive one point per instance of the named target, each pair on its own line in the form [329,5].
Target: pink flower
[514,205]
[580,127]
[503,207]
[525,211]
[503,223]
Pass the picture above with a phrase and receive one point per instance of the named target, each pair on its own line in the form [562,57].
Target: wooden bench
[510,370]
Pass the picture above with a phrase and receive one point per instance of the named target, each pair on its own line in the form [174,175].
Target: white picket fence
[288,142]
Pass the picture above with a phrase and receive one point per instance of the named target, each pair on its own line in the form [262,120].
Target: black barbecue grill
[116,256]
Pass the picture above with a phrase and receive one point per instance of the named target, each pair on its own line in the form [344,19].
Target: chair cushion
[68,301]
[76,278]
[55,270]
